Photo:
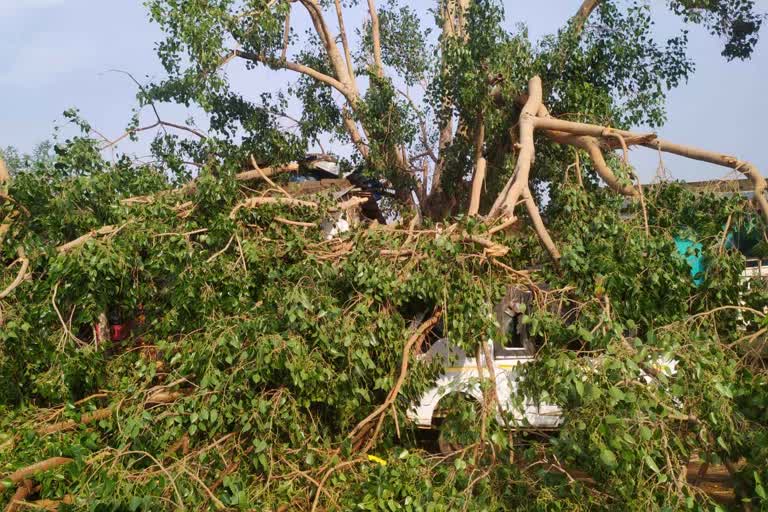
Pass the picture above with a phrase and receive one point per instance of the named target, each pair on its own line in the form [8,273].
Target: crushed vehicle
[462,372]
[505,355]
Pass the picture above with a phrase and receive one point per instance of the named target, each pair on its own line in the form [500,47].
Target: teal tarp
[693,253]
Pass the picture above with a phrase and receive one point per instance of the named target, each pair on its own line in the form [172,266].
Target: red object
[118,332]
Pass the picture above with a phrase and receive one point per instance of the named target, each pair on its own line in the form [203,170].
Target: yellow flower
[374,458]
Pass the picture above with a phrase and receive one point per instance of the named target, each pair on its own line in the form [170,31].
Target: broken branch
[415,337]
[38,467]
[20,276]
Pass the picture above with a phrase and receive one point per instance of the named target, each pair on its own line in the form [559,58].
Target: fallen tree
[237,360]
[242,339]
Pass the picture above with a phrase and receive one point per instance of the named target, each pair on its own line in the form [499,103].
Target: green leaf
[607,457]
[651,463]
[579,387]
[616,393]
[724,390]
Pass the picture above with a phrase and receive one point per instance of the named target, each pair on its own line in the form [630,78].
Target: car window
[513,334]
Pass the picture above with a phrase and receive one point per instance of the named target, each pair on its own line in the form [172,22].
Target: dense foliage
[270,366]
[270,343]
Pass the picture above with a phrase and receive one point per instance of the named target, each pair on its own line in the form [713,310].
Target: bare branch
[142,89]
[266,178]
[157,123]
[538,225]
[344,41]
[422,125]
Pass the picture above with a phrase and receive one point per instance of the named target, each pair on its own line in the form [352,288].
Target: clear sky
[57,54]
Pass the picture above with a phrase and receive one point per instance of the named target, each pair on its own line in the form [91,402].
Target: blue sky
[57,54]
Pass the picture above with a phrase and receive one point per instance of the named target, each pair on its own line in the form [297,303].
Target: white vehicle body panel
[462,375]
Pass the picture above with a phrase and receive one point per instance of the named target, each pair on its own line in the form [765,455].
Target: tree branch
[412,340]
[538,225]
[4,174]
[293,66]
[580,18]
[19,475]
[630,138]
[316,14]
[344,41]
[20,276]
[376,35]
[514,188]
[157,123]
[480,164]
[591,145]
[77,242]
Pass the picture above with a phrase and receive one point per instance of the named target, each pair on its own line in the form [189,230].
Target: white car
[462,372]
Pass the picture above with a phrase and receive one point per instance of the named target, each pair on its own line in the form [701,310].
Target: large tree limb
[592,146]
[630,138]
[256,174]
[339,66]
[514,188]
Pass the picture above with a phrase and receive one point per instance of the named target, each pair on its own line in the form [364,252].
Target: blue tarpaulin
[692,251]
